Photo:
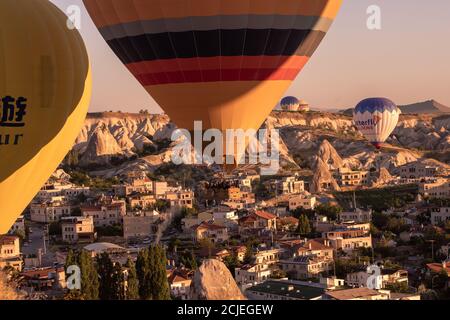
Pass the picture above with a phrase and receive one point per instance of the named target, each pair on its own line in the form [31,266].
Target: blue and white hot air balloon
[376,119]
[290,104]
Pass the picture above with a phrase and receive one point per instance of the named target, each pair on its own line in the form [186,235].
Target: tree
[118,283]
[54,229]
[232,262]
[105,269]
[151,272]
[188,260]
[71,259]
[142,269]
[249,254]
[304,227]
[89,277]
[329,211]
[132,287]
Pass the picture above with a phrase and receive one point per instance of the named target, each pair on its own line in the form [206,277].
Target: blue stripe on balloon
[375,104]
[289,101]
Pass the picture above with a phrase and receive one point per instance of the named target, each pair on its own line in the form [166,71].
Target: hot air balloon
[290,104]
[225,63]
[45,88]
[376,119]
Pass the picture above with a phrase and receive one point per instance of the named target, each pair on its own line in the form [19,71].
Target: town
[285,237]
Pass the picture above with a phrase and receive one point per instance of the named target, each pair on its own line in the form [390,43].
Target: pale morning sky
[408,60]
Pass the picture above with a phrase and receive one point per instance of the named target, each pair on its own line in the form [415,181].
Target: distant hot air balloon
[223,62]
[290,104]
[376,119]
[45,88]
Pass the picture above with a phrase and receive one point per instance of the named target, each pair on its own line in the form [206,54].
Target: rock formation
[213,281]
[383,178]
[328,154]
[322,176]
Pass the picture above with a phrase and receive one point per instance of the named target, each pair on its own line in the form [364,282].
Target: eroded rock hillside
[113,143]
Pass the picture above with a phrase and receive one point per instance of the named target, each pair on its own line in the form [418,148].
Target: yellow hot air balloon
[45,89]
[225,63]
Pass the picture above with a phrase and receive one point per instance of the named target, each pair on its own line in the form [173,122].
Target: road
[35,242]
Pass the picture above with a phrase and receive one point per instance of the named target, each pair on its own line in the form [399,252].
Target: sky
[407,60]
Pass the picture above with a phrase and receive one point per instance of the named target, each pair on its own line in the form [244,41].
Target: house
[180,198]
[258,220]
[180,283]
[417,170]
[306,267]
[349,239]
[316,247]
[304,200]
[435,188]
[388,277]
[140,224]
[251,274]
[45,278]
[10,252]
[288,223]
[78,229]
[50,211]
[18,226]
[106,214]
[356,215]
[240,252]
[141,201]
[440,215]
[269,256]
[285,290]
[357,294]
[290,185]
[213,232]
[76,191]
[189,222]
[141,185]
[52,191]
[240,199]
[352,178]
[212,253]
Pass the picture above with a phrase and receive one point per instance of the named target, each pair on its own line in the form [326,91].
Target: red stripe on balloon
[222,62]
[217,75]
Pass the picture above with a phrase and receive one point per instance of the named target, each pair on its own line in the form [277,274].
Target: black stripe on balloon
[213,43]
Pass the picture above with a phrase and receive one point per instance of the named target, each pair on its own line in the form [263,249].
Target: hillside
[427,107]
[112,144]
[430,106]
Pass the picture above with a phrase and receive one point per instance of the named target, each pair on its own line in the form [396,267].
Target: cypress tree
[71,259]
[105,269]
[89,277]
[304,227]
[132,287]
[142,269]
[160,283]
[118,283]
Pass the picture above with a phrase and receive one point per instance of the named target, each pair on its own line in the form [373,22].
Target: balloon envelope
[45,88]
[223,62]
[288,103]
[376,119]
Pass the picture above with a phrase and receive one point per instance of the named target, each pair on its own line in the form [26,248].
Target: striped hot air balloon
[290,104]
[223,62]
[376,119]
